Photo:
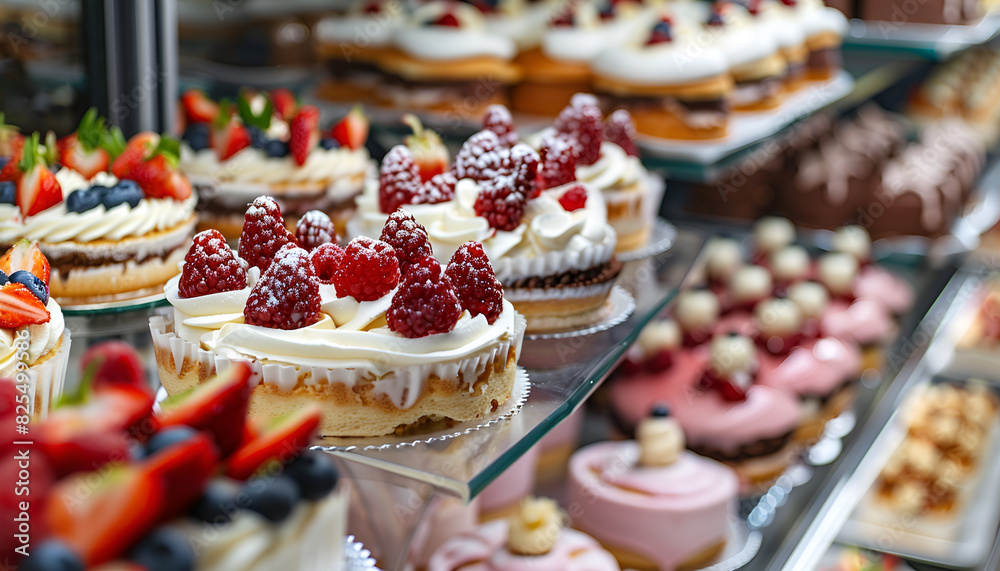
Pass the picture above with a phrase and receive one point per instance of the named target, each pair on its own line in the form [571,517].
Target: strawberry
[82,151]
[279,440]
[119,506]
[20,307]
[304,133]
[185,468]
[151,161]
[429,153]
[218,407]
[135,152]
[37,187]
[198,107]
[284,103]
[352,130]
[10,172]
[11,141]
[229,137]
[115,363]
[26,255]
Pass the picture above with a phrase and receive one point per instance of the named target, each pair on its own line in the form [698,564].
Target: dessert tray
[934,41]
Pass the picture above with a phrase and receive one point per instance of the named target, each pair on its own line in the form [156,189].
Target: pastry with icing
[650,502]
[378,348]
[535,537]
[824,29]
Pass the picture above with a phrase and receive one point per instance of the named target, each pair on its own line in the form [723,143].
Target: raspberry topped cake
[113,219]
[267,143]
[379,333]
[546,234]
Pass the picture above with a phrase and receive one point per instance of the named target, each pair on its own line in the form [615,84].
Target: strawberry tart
[546,234]
[113,219]
[34,341]
[652,504]
[267,143]
[532,538]
[198,486]
[379,333]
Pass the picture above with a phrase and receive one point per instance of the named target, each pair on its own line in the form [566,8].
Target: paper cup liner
[47,376]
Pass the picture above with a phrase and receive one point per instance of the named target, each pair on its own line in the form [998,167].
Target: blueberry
[164,549]
[314,473]
[660,410]
[136,451]
[329,143]
[197,136]
[8,192]
[53,555]
[258,138]
[33,283]
[273,498]
[86,198]
[4,161]
[217,504]
[168,437]
[3,278]
[276,148]
[125,191]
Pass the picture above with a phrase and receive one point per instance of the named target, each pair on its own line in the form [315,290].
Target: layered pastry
[791,40]
[34,340]
[317,325]
[650,502]
[546,235]
[670,94]
[824,28]
[196,487]
[269,144]
[110,229]
[965,87]
[532,538]
[523,21]
[445,59]
[350,46]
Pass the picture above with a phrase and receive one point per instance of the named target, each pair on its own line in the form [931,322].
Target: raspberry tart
[113,218]
[267,143]
[379,333]
[546,235]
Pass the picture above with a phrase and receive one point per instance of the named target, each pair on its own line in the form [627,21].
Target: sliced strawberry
[185,468]
[229,138]
[284,102]
[37,187]
[20,307]
[352,130]
[198,107]
[428,151]
[218,407]
[304,133]
[26,255]
[115,363]
[151,161]
[101,514]
[279,440]
[10,172]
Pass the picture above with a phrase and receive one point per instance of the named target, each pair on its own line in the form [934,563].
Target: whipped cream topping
[587,37]
[360,29]
[661,442]
[56,224]
[42,338]
[521,22]
[614,170]
[254,166]
[814,17]
[741,38]
[444,43]
[780,24]
[548,241]
[535,527]
[670,63]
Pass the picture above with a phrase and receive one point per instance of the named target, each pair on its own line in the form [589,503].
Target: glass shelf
[464,466]
[936,42]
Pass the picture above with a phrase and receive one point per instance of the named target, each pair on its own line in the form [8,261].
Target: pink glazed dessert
[652,504]
[533,539]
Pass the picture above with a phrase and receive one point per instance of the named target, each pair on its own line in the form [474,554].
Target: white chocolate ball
[837,271]
[661,441]
[853,240]
[772,233]
[811,298]
[696,309]
[732,354]
[659,335]
[750,283]
[789,263]
[723,258]
[777,318]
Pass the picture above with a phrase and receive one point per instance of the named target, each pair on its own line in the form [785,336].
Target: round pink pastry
[885,287]
[817,368]
[511,486]
[863,321]
[667,514]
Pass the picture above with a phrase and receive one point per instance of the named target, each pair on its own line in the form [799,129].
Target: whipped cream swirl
[42,338]
[613,170]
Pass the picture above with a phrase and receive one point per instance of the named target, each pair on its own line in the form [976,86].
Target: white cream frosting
[814,17]
[781,24]
[524,24]
[55,224]
[42,338]
[254,166]
[444,43]
[743,39]
[548,241]
[360,29]
[614,170]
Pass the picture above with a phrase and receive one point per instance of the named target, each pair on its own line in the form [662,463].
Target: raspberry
[211,267]
[498,120]
[574,199]
[407,237]
[399,180]
[501,206]
[423,268]
[368,270]
[264,233]
[583,121]
[475,147]
[478,289]
[287,295]
[620,130]
[314,229]
[440,188]
[325,260]
[424,305]
[558,161]
[516,168]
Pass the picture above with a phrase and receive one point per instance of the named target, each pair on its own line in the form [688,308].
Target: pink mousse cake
[652,504]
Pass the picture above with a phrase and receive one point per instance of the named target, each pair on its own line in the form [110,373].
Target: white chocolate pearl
[661,441]
[777,318]
[696,309]
[659,335]
[772,233]
[723,259]
[750,283]
[837,272]
[853,240]
[732,354]
[789,263]
[811,297]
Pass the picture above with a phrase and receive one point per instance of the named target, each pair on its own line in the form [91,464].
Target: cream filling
[42,338]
